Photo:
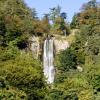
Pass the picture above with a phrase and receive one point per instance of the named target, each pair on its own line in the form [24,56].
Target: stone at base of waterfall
[80,69]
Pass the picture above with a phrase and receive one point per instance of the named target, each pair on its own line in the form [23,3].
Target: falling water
[48,59]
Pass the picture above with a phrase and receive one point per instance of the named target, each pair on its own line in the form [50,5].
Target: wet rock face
[60,45]
[34,46]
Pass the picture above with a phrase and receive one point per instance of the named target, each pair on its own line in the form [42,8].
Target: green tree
[74,22]
[54,13]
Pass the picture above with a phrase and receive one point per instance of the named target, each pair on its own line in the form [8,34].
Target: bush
[24,73]
[67,60]
[12,93]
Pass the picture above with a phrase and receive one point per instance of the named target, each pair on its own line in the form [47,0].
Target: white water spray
[48,59]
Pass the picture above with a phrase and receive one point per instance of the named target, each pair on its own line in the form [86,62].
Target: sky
[68,6]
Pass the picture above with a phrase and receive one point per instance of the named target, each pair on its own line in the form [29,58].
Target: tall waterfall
[48,59]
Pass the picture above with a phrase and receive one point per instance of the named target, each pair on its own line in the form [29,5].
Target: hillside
[28,45]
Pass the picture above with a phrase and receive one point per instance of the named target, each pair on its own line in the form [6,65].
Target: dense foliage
[84,53]
[77,67]
[21,76]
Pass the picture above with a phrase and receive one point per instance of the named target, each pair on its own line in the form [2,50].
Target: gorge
[51,46]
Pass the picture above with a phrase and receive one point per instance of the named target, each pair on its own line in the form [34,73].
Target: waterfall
[48,60]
